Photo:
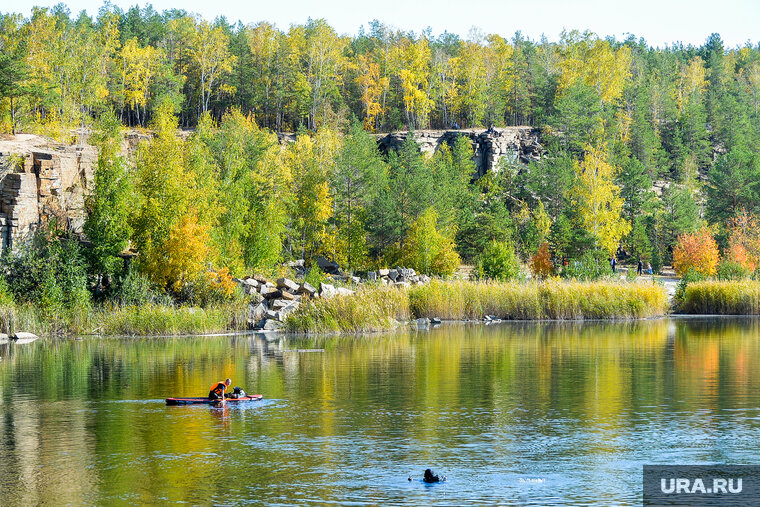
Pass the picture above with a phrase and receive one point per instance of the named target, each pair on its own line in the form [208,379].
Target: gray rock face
[518,144]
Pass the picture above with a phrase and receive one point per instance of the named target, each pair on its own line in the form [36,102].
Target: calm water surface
[512,413]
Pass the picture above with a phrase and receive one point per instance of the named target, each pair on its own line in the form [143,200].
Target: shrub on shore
[735,297]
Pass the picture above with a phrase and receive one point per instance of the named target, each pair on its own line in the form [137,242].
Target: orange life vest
[218,389]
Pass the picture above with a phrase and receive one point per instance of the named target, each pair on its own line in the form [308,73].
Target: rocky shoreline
[272,301]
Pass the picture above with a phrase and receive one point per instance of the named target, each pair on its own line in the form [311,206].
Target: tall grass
[169,320]
[369,309]
[373,309]
[122,320]
[536,301]
[739,297]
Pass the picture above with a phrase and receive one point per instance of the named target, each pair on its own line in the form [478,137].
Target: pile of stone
[271,302]
[402,277]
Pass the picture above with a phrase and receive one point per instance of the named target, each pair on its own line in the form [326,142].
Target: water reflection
[517,412]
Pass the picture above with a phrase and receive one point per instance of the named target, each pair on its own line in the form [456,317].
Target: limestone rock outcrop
[40,181]
[518,144]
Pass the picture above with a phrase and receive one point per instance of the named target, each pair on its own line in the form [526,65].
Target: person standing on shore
[613,263]
[640,269]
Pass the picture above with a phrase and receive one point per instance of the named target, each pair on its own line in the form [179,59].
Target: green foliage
[49,270]
[356,163]
[133,288]
[734,184]
[732,270]
[688,278]
[315,276]
[165,189]
[618,121]
[592,265]
[428,250]
[108,206]
[499,261]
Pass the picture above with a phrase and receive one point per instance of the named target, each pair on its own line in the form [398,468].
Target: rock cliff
[517,144]
[41,180]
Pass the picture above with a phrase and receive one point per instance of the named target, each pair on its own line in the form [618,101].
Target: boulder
[383,272]
[393,274]
[250,282]
[268,325]
[327,266]
[435,320]
[371,276]
[285,307]
[355,279]
[326,290]
[424,321]
[270,292]
[22,337]
[260,279]
[287,284]
[299,263]
[257,312]
[279,304]
[342,291]
[306,288]
[287,295]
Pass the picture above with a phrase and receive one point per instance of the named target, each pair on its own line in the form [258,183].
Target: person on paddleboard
[218,390]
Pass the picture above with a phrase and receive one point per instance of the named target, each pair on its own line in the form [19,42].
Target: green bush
[133,288]
[49,270]
[730,270]
[499,261]
[691,276]
[592,265]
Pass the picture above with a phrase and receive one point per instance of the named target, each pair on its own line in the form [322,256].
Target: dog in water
[429,477]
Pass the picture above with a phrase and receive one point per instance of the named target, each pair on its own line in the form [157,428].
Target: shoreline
[410,325]
[378,309]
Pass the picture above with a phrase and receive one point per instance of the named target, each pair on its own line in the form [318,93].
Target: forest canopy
[641,145]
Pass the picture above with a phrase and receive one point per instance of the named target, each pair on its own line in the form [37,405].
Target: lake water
[510,413]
